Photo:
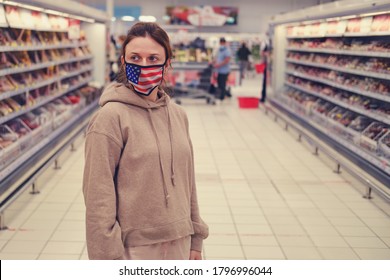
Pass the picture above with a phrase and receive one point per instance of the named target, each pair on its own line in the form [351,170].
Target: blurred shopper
[222,67]
[139,185]
[243,54]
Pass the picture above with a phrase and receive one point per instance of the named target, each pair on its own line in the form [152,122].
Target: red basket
[248,102]
[260,67]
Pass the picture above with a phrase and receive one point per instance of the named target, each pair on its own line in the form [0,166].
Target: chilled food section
[46,86]
[337,84]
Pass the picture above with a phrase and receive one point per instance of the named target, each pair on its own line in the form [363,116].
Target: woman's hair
[142,29]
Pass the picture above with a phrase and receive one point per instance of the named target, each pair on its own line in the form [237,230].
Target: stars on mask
[133,72]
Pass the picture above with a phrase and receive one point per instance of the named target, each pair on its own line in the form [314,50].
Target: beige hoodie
[139,186]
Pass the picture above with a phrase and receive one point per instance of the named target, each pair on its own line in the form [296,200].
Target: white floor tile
[224,251]
[59,257]
[365,242]
[373,254]
[338,253]
[355,231]
[263,253]
[299,253]
[294,241]
[22,246]
[60,247]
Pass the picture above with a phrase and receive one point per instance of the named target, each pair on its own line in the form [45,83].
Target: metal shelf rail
[318,147]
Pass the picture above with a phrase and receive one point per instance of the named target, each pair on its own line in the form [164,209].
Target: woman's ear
[122,60]
[167,64]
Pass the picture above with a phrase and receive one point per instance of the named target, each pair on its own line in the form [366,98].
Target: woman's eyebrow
[147,54]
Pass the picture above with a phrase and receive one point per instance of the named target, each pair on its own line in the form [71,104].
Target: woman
[139,186]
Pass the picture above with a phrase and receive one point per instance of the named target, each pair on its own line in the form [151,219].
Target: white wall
[96,34]
[253,14]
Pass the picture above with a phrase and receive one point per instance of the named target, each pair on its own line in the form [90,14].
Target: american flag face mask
[144,78]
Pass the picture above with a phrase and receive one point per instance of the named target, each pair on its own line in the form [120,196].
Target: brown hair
[142,29]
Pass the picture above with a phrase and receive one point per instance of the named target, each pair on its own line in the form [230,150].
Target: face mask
[144,78]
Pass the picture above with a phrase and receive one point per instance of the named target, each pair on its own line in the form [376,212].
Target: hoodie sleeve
[102,154]
[201,230]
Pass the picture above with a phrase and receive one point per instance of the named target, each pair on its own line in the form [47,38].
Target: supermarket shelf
[361,111]
[43,102]
[46,150]
[18,48]
[341,69]
[341,52]
[22,90]
[23,69]
[346,34]
[366,162]
[340,86]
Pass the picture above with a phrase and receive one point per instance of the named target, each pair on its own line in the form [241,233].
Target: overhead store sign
[202,15]
[122,11]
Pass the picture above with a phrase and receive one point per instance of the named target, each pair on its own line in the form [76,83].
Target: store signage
[3,20]
[202,15]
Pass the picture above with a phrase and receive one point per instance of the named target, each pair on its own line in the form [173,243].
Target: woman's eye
[134,57]
[153,58]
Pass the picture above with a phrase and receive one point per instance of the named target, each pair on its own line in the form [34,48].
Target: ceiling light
[127,18]
[147,18]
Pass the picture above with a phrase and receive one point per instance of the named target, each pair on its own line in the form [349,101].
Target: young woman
[139,185]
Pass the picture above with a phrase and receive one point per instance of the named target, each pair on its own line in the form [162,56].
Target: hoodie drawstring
[159,154]
[171,141]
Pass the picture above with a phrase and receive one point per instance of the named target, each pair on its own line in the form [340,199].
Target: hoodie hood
[118,92]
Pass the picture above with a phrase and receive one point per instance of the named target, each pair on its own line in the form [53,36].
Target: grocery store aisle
[263,194]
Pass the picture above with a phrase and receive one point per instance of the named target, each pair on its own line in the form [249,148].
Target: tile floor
[263,194]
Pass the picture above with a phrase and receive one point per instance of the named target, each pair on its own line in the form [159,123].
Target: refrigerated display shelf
[43,102]
[370,164]
[361,111]
[341,52]
[23,69]
[23,164]
[22,90]
[372,74]
[17,48]
[359,91]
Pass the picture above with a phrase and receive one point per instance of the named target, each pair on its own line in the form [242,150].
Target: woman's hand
[195,255]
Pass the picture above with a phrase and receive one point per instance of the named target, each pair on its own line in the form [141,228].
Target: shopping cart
[202,89]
